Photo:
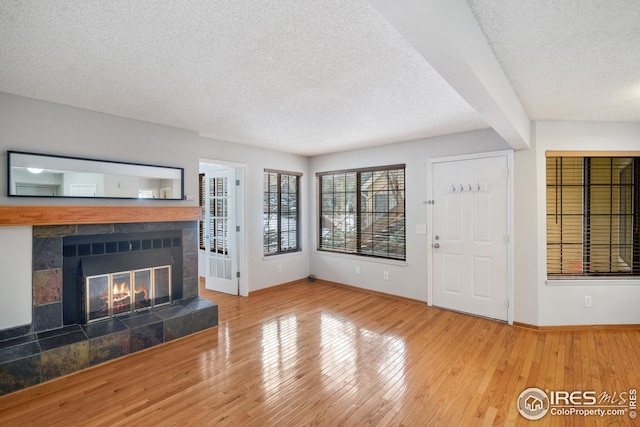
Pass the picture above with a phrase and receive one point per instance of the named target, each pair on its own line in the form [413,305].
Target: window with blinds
[593,216]
[362,212]
[281,214]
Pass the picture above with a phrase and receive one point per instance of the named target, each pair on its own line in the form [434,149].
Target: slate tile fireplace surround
[60,341]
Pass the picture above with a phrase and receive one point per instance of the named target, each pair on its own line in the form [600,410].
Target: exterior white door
[221,257]
[470,236]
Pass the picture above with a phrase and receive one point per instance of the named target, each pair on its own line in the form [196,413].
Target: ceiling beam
[447,35]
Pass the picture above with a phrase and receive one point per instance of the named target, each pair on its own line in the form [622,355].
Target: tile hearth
[37,357]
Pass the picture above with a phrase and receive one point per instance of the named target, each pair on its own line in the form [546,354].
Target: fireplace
[112,275]
[156,255]
[112,294]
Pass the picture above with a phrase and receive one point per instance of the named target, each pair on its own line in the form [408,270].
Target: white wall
[47,183]
[48,128]
[542,303]
[405,279]
[73,178]
[43,127]
[15,274]
[525,243]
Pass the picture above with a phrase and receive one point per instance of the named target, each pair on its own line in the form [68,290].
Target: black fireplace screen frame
[91,255]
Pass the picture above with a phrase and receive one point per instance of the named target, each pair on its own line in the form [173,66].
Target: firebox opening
[113,294]
[118,284]
[106,276]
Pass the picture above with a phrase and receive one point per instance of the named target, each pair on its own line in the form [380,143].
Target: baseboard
[557,328]
[378,293]
[271,288]
[572,328]
[342,285]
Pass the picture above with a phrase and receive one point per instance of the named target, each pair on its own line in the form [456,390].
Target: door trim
[510,247]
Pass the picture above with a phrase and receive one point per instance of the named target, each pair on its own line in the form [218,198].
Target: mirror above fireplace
[43,175]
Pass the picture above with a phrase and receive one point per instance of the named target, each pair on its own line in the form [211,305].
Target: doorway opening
[471,254]
[220,231]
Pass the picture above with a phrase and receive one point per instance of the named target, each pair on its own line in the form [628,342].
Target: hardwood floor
[319,354]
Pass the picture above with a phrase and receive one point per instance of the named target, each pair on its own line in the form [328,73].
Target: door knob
[437,245]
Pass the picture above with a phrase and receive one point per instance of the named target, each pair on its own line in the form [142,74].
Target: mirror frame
[21,159]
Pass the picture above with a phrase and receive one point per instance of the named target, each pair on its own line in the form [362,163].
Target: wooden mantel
[16,215]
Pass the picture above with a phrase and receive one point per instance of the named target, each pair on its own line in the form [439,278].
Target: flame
[121,289]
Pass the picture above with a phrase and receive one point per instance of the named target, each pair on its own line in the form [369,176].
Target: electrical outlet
[386,275]
[358,270]
[279,269]
[587,301]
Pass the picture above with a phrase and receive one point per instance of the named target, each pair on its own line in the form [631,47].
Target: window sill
[363,258]
[281,255]
[596,281]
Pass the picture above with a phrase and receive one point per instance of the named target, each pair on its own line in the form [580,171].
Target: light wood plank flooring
[320,354]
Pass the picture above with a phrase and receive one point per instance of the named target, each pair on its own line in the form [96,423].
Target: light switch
[421,229]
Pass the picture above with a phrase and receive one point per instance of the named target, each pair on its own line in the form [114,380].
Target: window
[362,212]
[281,214]
[593,216]
[201,200]
[215,192]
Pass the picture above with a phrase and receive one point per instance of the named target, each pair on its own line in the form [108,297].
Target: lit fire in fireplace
[122,289]
[121,297]
[109,295]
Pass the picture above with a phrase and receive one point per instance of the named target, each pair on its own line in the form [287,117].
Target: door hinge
[506,238]
[237,182]
[429,202]
[237,274]
[237,228]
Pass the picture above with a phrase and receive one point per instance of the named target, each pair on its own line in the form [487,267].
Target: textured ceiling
[313,77]
[568,59]
[305,77]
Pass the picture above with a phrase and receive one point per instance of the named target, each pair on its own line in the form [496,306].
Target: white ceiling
[329,75]
[568,59]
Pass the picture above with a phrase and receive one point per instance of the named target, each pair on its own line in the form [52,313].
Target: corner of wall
[15,265]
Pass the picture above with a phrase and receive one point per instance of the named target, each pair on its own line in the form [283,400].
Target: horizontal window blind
[281,214]
[362,211]
[593,215]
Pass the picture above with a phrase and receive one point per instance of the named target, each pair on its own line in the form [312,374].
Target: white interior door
[470,236]
[221,257]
